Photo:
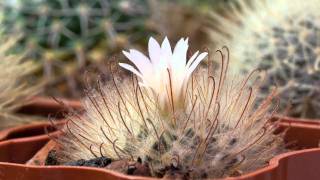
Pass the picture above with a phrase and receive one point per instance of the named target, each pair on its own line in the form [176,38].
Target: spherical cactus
[283,38]
[177,120]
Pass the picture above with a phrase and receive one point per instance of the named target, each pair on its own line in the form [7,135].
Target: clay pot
[302,131]
[40,106]
[44,106]
[19,172]
[295,165]
[17,149]
[28,139]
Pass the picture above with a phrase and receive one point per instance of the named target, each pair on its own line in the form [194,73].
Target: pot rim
[290,119]
[102,170]
[30,139]
[40,100]
[4,134]
[273,164]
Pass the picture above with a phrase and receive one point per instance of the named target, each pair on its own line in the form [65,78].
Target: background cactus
[283,38]
[190,19]
[15,86]
[68,34]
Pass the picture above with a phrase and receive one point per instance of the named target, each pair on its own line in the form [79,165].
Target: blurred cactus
[283,38]
[184,18]
[60,33]
[177,20]
[14,86]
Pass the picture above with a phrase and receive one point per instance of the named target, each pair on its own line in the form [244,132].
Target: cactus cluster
[211,130]
[65,35]
[283,38]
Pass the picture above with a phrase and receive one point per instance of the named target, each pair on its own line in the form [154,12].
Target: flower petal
[142,63]
[166,48]
[193,57]
[154,51]
[131,68]
[178,62]
[195,64]
[180,53]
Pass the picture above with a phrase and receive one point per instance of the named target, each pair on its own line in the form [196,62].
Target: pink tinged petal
[196,63]
[131,68]
[154,50]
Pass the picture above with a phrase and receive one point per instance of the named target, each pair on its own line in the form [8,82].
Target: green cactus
[63,32]
[283,38]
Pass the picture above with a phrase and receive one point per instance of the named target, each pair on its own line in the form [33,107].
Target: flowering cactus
[216,132]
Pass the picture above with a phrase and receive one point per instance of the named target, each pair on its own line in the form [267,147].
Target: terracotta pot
[30,138]
[305,133]
[288,166]
[44,106]
[19,172]
[295,165]
[27,131]
[39,106]
[33,136]
[19,149]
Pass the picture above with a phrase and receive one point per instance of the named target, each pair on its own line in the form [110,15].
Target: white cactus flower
[165,72]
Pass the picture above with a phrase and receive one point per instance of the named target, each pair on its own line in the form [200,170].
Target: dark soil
[95,162]
[51,159]
[124,166]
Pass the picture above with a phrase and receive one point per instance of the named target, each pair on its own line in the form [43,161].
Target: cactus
[63,32]
[205,126]
[189,20]
[283,38]
[15,87]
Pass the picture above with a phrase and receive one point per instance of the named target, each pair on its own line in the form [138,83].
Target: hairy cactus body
[215,133]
